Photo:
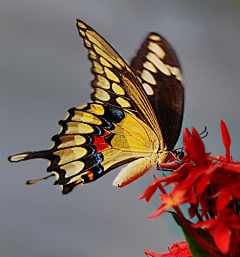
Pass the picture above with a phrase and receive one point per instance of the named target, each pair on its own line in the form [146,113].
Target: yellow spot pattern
[148,89]
[111,75]
[104,62]
[117,89]
[156,49]
[70,154]
[102,82]
[78,128]
[88,44]
[149,66]
[73,168]
[96,109]
[155,37]
[92,54]
[71,140]
[122,102]
[81,25]
[86,117]
[147,76]
[97,67]
[158,63]
[102,95]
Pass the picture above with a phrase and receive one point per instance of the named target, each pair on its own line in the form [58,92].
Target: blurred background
[45,71]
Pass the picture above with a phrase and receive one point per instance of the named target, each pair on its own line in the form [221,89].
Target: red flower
[194,146]
[211,185]
[176,197]
[177,250]
[222,228]
[226,139]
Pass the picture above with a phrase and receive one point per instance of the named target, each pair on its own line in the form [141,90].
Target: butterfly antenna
[204,131]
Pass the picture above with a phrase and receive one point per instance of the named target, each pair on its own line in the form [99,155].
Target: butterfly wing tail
[28,155]
[31,155]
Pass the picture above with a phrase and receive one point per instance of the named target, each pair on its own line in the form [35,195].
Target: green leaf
[195,248]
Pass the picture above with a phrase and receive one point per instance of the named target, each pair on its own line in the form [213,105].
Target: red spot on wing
[100,143]
[98,140]
[90,174]
[102,147]
[106,134]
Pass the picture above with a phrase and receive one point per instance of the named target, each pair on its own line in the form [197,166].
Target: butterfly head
[169,156]
[174,155]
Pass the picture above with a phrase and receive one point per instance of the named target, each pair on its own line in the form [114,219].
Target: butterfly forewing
[114,82]
[158,68]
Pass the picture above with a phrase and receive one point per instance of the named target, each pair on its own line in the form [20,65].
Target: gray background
[45,71]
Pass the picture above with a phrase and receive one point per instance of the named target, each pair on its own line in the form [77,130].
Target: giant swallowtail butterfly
[135,115]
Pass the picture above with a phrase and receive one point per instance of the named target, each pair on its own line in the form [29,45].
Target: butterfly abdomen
[133,171]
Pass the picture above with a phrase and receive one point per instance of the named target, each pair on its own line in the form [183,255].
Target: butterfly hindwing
[94,139]
[158,68]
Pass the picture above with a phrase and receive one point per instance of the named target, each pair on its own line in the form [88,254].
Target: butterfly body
[129,121]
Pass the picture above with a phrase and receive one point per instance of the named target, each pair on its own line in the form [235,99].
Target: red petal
[186,139]
[223,200]
[201,185]
[236,192]
[179,250]
[171,165]
[179,175]
[233,222]
[205,224]
[191,196]
[197,148]
[198,138]
[213,168]
[148,253]
[161,209]
[235,167]
[191,212]
[149,191]
[225,134]
[222,236]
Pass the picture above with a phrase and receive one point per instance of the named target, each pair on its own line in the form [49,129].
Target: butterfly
[135,116]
